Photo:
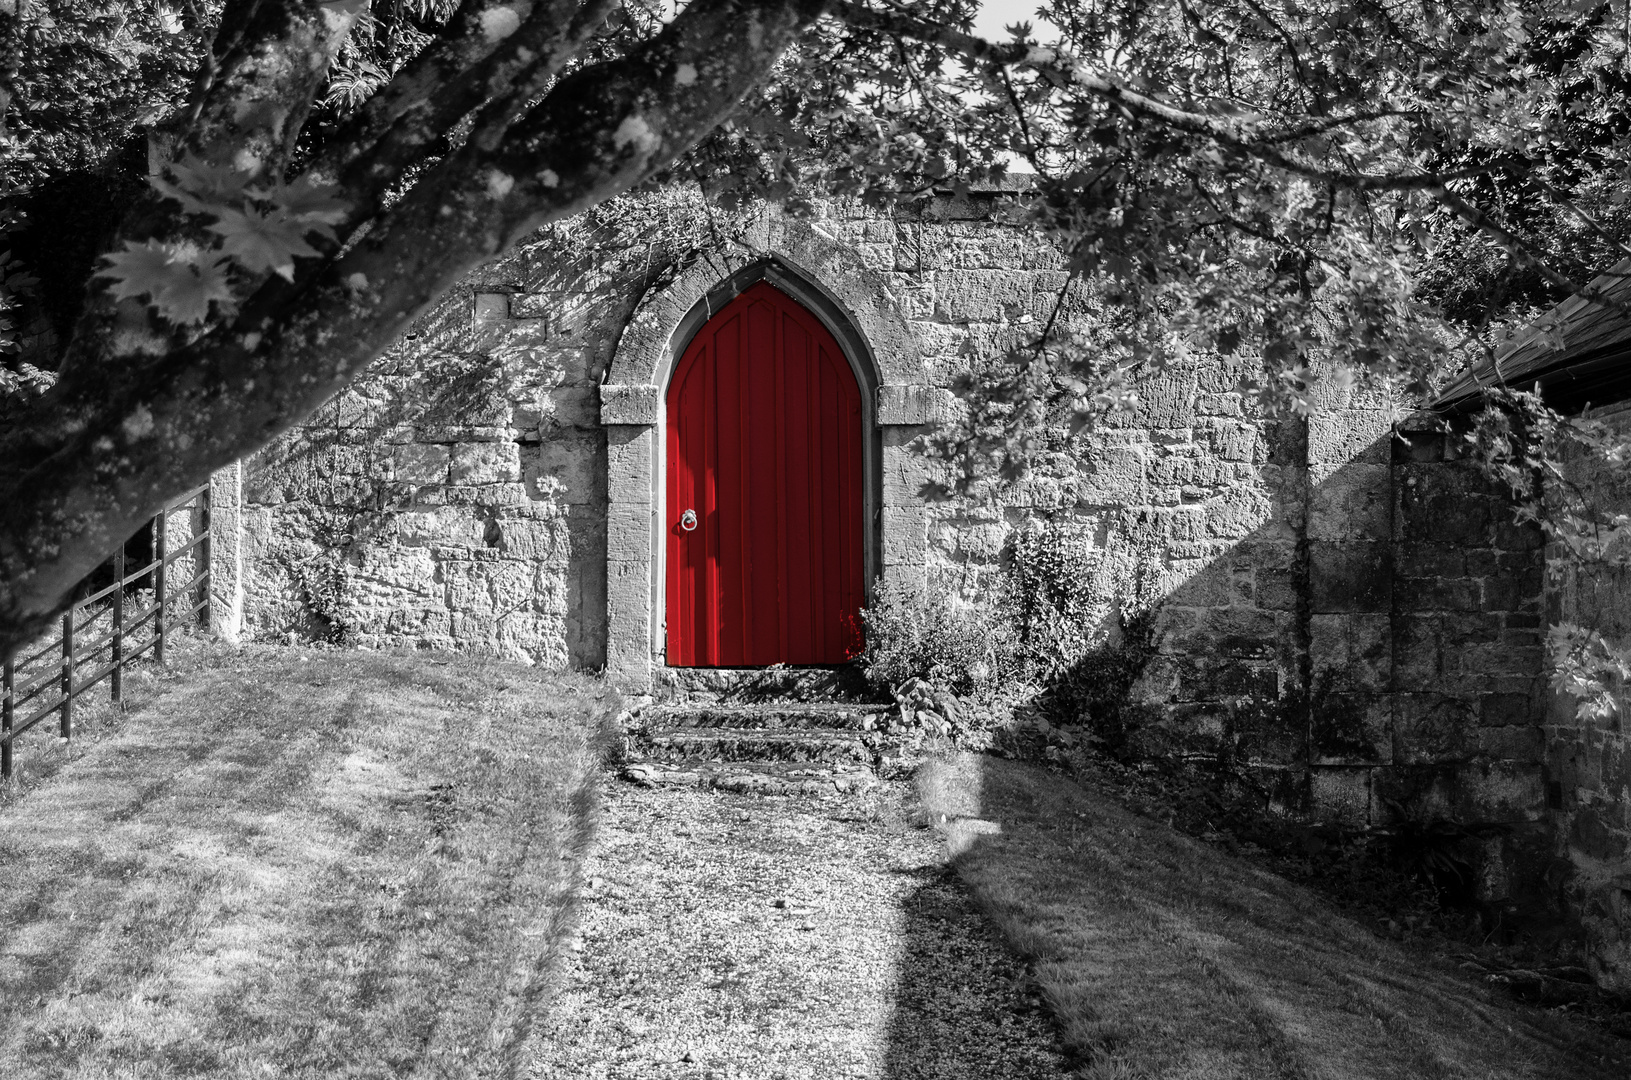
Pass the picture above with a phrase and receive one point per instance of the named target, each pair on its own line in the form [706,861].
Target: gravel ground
[764,938]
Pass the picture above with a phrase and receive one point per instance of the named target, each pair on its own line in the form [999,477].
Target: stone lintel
[629,404]
[912,404]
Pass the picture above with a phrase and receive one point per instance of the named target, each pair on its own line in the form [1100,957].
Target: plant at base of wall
[967,647]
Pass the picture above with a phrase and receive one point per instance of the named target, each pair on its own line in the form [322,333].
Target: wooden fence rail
[65,667]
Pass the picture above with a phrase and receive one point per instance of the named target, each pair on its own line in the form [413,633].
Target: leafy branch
[259,230]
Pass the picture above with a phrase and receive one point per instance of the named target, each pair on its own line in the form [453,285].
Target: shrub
[966,646]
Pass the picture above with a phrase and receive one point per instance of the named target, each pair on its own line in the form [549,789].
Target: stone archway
[856,303]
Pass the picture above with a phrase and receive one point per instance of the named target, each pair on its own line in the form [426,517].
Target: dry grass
[298,863]
[875,965]
[1161,957]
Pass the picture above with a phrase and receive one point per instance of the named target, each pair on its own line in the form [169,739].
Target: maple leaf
[180,283]
[185,297]
[140,269]
[260,242]
[308,203]
[202,188]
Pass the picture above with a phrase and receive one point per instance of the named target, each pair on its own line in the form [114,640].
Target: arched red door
[764,491]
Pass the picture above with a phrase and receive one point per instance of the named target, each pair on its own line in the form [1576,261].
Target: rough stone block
[1498,659]
[628,533]
[1508,710]
[630,404]
[1352,504]
[490,307]
[1351,652]
[419,463]
[1275,589]
[906,476]
[541,306]
[912,405]
[1432,729]
[1341,794]
[981,295]
[1240,511]
[1113,475]
[630,461]
[543,540]
[1438,594]
[564,469]
[1511,743]
[1231,440]
[1350,729]
[1501,791]
[1238,631]
[1440,504]
[485,463]
[1337,438]
[1166,401]
[1349,577]
[1431,560]
[1418,660]
[905,535]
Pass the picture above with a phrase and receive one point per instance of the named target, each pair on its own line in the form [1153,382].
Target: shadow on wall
[454,497]
[1370,649]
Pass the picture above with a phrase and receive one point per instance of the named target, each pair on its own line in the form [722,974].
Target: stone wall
[1589,753]
[1351,615]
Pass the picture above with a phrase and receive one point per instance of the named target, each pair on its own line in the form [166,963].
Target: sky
[996,14]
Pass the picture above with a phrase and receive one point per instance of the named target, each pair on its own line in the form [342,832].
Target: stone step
[677,744]
[745,685]
[754,778]
[769,716]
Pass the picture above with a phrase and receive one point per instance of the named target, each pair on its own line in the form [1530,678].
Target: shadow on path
[964,1008]
[1161,956]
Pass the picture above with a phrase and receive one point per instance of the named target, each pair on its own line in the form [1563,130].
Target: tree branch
[199,407]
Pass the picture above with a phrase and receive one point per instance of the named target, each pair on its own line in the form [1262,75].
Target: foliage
[1047,575]
[1566,474]
[260,229]
[1265,183]
[1436,851]
[937,634]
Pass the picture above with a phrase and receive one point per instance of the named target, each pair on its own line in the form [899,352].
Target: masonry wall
[1351,615]
[1589,752]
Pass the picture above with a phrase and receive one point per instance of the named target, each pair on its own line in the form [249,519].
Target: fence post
[118,679]
[68,673]
[205,580]
[158,585]
[7,682]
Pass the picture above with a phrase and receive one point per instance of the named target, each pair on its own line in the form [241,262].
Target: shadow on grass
[964,1006]
[1159,956]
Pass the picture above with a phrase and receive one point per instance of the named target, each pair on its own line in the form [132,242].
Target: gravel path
[726,936]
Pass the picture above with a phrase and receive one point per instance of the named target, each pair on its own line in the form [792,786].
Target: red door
[764,491]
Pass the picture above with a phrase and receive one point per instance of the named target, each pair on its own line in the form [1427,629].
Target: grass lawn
[287,862]
[1161,957]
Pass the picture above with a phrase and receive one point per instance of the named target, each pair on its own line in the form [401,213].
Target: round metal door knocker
[688,520]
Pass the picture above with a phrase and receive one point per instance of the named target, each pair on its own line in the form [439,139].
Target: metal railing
[65,667]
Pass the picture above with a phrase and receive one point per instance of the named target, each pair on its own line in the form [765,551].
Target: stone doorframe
[855,303]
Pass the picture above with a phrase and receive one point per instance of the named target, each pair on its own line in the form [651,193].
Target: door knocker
[688,521]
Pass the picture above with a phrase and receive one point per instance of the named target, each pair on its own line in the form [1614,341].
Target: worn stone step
[743,685]
[838,716]
[672,744]
[754,778]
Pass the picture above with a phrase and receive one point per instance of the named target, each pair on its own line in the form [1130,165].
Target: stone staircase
[776,731]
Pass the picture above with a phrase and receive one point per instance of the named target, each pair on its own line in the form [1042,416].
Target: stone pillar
[226,553]
[629,415]
[904,413]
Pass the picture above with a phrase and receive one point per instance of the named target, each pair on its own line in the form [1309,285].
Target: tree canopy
[220,213]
